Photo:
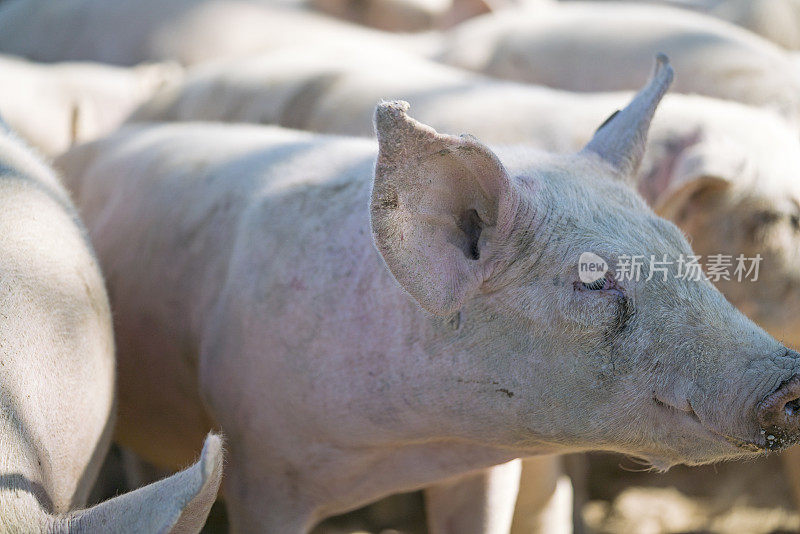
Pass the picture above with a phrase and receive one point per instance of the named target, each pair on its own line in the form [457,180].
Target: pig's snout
[779,415]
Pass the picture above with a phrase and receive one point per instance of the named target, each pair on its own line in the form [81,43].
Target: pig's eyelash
[597,284]
[607,284]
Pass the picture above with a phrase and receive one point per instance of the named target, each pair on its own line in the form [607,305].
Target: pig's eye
[607,285]
[596,285]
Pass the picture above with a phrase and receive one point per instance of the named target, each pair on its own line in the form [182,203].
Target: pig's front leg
[544,500]
[484,502]
[477,503]
[260,499]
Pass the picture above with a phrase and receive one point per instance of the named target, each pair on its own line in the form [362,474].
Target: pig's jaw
[684,417]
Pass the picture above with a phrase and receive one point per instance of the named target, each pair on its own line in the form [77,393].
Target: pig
[360,324]
[187,31]
[54,106]
[736,159]
[776,20]
[57,356]
[601,47]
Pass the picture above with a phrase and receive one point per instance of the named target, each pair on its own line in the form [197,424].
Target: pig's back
[54,106]
[606,47]
[122,32]
[168,208]
[56,344]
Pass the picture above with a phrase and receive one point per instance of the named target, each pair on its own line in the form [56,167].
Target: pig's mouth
[748,446]
[693,419]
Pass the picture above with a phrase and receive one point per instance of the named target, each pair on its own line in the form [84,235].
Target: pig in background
[57,105]
[57,386]
[573,45]
[776,20]
[585,46]
[123,32]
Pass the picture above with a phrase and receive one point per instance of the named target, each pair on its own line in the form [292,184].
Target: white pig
[54,106]
[361,328]
[57,385]
[738,162]
[188,31]
[585,46]
[776,20]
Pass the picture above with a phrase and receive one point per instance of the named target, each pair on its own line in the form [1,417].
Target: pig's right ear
[440,208]
[621,139]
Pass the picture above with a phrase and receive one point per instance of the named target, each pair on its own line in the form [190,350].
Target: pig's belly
[161,416]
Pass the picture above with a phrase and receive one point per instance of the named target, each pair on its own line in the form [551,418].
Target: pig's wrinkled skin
[54,106]
[57,385]
[122,32]
[585,46]
[357,339]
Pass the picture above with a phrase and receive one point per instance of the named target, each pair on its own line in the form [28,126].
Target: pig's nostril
[792,407]
[779,415]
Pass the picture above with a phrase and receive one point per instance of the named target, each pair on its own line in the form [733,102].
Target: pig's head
[663,368]
[736,193]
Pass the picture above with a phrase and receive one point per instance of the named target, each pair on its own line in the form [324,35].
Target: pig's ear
[440,205]
[621,139]
[177,504]
[703,168]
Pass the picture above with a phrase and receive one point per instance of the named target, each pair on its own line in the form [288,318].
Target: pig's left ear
[440,204]
[620,141]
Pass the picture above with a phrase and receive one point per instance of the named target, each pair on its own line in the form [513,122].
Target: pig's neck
[452,403]
[366,476]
